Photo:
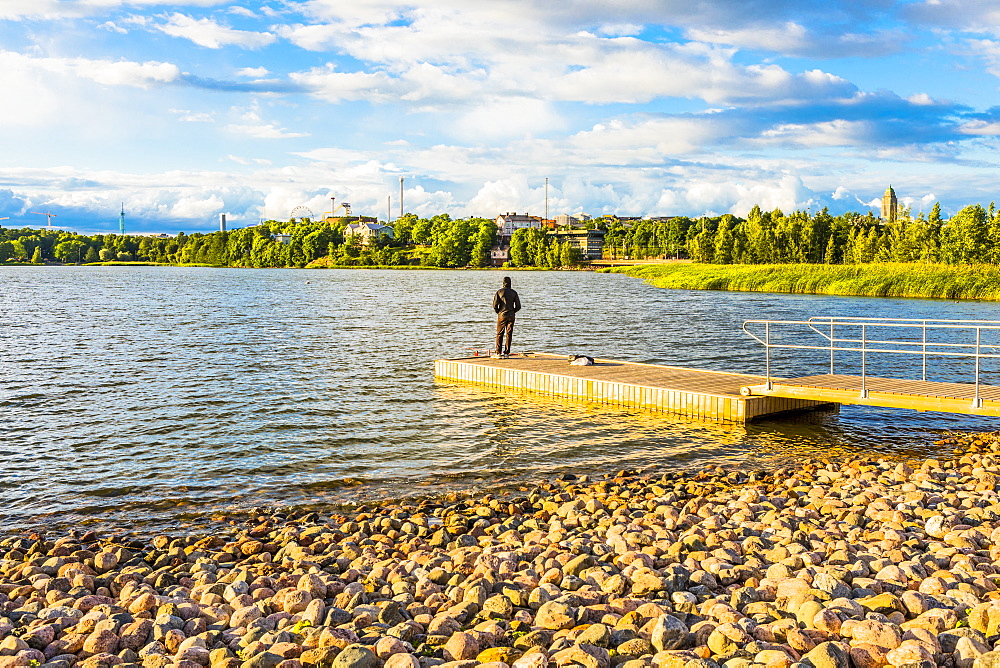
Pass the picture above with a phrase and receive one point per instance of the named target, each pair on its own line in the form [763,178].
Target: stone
[827,655]
[864,655]
[877,633]
[669,633]
[967,651]
[263,660]
[910,651]
[402,661]
[356,656]
[531,660]
[461,647]
[555,616]
[320,657]
[587,656]
[101,642]
[505,655]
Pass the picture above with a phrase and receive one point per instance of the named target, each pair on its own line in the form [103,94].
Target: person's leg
[501,325]
[510,335]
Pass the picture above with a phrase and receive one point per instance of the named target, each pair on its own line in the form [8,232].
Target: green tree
[519,256]
[69,250]
[36,256]
[91,255]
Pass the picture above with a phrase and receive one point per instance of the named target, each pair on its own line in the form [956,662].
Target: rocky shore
[858,563]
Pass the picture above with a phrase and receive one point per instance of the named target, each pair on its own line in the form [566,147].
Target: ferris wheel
[302,212]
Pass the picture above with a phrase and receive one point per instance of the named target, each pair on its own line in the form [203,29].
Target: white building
[367,231]
[508,222]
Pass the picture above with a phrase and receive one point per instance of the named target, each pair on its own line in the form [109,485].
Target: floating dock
[693,393]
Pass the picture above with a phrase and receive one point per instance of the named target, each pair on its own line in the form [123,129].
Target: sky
[185,110]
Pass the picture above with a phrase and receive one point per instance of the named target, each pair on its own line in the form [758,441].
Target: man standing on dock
[506,303]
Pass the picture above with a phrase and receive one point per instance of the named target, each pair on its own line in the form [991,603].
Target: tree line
[439,241]
[970,236]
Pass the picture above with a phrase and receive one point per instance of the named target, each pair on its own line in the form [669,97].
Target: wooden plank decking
[886,393]
[708,395]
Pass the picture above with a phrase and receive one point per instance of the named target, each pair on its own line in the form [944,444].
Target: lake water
[155,397]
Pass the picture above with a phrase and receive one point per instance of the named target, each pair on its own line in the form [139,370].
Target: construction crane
[50,216]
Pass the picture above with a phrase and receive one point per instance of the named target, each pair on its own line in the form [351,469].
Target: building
[499,255]
[367,231]
[509,222]
[889,205]
[577,220]
[590,243]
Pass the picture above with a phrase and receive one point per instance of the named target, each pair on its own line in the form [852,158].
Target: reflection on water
[157,396]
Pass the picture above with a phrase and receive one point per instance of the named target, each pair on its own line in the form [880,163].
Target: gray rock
[263,660]
[830,586]
[356,656]
[669,633]
[949,639]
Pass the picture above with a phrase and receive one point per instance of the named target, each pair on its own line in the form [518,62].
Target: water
[156,397]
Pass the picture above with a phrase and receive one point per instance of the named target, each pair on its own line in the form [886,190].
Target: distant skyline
[185,110]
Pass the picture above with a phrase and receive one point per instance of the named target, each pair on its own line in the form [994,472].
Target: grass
[118,263]
[937,281]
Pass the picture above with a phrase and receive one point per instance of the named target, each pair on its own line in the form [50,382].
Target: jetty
[740,398]
[693,393]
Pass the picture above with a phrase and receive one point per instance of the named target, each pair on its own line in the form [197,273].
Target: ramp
[977,341]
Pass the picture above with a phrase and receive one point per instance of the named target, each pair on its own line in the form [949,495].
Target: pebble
[857,563]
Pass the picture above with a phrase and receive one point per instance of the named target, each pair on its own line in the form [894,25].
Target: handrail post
[923,345]
[864,383]
[831,346]
[978,402]
[767,353]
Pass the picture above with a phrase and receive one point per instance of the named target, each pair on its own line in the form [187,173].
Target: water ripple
[155,396]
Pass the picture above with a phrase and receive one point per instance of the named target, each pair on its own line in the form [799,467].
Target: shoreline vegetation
[910,280]
[862,562]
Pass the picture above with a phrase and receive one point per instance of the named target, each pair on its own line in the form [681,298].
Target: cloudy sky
[188,109]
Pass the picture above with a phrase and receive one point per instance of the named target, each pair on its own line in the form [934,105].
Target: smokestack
[222,222]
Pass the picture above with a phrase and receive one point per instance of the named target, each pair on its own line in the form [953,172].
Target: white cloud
[211,35]
[335,86]
[253,126]
[108,72]
[253,72]
[190,117]
[981,128]
[814,135]
[989,51]
[444,54]
[794,38]
[62,9]
[113,27]
[505,118]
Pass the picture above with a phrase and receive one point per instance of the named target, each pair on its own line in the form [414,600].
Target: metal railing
[851,335]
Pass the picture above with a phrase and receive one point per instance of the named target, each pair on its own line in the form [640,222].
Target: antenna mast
[546,198]
[121,221]
[400,196]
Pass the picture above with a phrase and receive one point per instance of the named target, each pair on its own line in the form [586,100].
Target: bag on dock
[581,360]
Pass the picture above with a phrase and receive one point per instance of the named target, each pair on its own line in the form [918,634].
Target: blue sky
[185,110]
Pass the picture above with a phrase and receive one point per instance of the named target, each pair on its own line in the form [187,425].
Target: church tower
[889,205]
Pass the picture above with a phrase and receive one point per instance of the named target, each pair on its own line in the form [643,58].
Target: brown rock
[461,647]
[101,642]
[321,657]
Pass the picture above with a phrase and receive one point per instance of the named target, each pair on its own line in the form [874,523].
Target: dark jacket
[506,302]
